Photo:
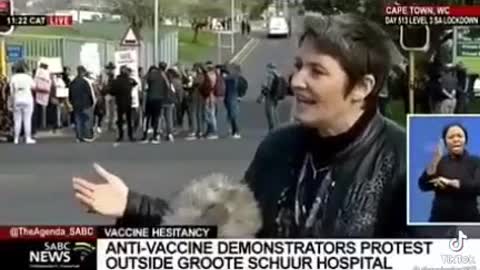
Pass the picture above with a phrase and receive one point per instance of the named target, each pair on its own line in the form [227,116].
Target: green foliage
[205,9]
[139,13]
[257,10]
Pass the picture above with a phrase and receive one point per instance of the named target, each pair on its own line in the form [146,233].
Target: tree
[199,12]
[256,8]
[139,13]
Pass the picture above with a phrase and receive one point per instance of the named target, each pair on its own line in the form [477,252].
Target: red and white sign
[60,20]
[130,38]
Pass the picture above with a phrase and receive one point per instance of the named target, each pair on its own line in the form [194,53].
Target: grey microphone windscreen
[216,200]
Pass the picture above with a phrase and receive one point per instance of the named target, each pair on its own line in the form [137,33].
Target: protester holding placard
[121,89]
[61,93]
[43,82]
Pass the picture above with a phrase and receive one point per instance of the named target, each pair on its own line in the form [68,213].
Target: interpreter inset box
[443,168]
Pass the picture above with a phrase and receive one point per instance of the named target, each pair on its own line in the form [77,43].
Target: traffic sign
[130,38]
[15,53]
[415,38]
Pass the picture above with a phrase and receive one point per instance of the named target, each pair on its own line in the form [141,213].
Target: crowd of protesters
[166,102]
[445,88]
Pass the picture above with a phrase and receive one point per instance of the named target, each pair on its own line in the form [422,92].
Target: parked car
[278,27]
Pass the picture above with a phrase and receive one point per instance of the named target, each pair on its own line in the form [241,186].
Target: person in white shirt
[136,90]
[21,86]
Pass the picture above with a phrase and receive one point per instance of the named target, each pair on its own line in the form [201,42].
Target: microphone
[216,200]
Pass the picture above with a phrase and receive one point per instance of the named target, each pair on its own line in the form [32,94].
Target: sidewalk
[60,133]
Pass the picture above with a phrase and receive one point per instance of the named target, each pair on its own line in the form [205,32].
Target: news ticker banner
[432,15]
[197,248]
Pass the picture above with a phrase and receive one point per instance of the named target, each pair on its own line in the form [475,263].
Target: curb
[51,135]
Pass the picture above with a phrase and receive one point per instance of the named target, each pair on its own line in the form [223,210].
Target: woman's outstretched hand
[106,199]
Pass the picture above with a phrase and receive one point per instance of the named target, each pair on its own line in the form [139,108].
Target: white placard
[90,58]
[129,58]
[54,64]
[62,92]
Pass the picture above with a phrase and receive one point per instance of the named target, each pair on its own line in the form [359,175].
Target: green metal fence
[69,48]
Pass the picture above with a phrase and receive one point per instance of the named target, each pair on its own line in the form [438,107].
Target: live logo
[60,21]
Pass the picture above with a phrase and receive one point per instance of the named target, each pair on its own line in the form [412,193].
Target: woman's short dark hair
[360,46]
[449,126]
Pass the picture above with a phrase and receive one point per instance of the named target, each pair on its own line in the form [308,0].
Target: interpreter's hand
[437,156]
[439,151]
[443,182]
[107,199]
[450,182]
[438,183]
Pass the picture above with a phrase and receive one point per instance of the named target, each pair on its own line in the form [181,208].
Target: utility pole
[285,9]
[156,26]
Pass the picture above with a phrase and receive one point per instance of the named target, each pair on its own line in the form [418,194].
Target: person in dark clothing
[67,80]
[454,178]
[100,106]
[339,172]
[168,101]
[446,93]
[155,84]
[462,93]
[82,98]
[231,100]
[186,105]
[66,76]
[122,88]
[104,89]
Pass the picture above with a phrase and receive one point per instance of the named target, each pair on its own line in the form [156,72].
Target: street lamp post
[233,26]
[155,42]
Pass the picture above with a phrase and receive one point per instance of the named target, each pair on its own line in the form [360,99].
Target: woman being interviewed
[454,177]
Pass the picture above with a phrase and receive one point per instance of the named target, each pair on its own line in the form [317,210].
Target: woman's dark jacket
[451,204]
[369,198]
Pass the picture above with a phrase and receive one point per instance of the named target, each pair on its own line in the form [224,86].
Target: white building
[79,16]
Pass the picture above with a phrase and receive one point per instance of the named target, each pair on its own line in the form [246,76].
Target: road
[36,180]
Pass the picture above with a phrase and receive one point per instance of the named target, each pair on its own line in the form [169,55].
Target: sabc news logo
[83,249]
[457,244]
[64,254]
